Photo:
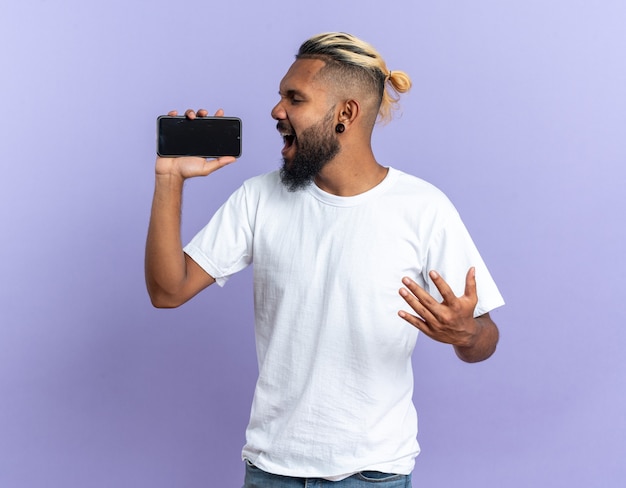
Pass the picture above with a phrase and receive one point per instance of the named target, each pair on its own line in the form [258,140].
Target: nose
[278,112]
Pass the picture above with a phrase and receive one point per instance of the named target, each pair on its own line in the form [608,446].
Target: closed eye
[294,96]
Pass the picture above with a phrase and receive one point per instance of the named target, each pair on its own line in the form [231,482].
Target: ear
[349,111]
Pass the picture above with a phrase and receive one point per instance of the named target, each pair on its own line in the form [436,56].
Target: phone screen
[203,136]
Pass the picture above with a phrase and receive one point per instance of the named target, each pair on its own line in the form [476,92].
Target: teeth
[288,138]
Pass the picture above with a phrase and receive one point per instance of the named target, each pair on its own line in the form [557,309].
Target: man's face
[306,121]
[315,147]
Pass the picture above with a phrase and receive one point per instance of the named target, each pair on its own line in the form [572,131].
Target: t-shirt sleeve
[224,245]
[452,253]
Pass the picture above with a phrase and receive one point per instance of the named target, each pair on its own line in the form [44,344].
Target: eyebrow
[291,93]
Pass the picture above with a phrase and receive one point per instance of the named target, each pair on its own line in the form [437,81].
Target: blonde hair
[352,60]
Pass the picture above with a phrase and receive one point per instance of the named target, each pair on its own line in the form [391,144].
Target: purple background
[518,113]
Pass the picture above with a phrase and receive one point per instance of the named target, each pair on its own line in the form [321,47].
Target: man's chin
[293,181]
[287,163]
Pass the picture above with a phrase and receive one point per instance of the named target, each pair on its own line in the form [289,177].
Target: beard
[317,145]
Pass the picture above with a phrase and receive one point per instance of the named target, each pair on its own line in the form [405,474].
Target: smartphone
[207,137]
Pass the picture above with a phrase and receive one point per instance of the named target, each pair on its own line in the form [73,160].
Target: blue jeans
[257,478]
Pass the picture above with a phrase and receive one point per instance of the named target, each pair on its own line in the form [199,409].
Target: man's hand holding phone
[179,136]
[172,277]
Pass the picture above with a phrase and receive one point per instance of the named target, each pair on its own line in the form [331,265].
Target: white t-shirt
[334,393]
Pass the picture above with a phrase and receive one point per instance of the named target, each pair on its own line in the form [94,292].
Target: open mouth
[289,139]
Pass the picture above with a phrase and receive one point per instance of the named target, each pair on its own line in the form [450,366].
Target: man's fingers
[419,292]
[192,114]
[215,164]
[470,284]
[417,305]
[203,113]
[444,289]
[430,309]
[224,160]
[446,321]
[416,322]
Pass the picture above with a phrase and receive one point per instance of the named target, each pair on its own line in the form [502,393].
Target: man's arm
[452,321]
[172,277]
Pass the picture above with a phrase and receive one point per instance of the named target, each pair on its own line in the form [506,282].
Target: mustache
[282,126]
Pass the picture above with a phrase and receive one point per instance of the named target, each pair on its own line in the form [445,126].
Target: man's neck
[348,176]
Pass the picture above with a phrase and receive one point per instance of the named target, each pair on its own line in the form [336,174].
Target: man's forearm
[486,341]
[165,262]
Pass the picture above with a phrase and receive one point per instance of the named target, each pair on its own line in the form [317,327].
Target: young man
[340,245]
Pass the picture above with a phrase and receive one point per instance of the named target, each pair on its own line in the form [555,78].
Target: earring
[339,128]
